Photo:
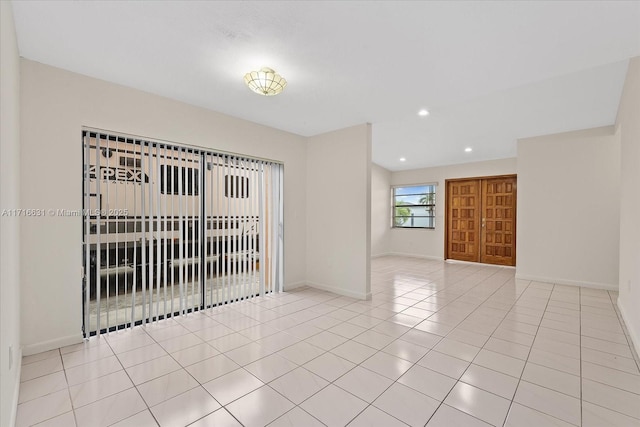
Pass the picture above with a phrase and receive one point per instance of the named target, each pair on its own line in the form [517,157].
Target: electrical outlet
[629,285]
[10,357]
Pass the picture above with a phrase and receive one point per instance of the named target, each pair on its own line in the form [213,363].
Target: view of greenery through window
[414,206]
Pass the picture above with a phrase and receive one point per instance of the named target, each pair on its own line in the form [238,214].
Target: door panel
[498,221]
[481,215]
[463,220]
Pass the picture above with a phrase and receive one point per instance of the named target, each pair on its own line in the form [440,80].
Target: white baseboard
[340,291]
[633,333]
[584,284]
[409,255]
[381,255]
[30,349]
[290,286]
[16,389]
[456,261]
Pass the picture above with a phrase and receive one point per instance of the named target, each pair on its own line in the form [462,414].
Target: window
[172,185]
[414,206]
[160,237]
[236,186]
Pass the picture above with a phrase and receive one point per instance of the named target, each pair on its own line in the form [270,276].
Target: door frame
[446,216]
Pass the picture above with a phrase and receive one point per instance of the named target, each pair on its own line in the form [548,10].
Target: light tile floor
[439,344]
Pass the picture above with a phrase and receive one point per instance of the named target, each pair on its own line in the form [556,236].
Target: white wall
[55,106]
[9,226]
[339,211]
[569,208]
[430,243]
[628,130]
[380,210]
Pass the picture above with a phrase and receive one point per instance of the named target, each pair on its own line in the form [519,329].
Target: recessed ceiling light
[468,149]
[402,159]
[423,113]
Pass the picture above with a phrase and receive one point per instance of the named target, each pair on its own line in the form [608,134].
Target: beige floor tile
[296,417]
[231,386]
[110,410]
[522,416]
[387,365]
[555,361]
[194,354]
[212,368]
[141,355]
[406,404]
[550,402]
[374,417]
[489,380]
[329,366]
[553,379]
[363,383]
[499,362]
[333,406]
[184,408]
[444,364]
[165,387]
[42,386]
[611,398]
[447,416]
[426,321]
[298,385]
[428,382]
[271,367]
[597,416]
[99,388]
[43,408]
[141,419]
[610,360]
[152,369]
[301,352]
[481,404]
[611,377]
[92,370]
[65,420]
[39,368]
[406,350]
[260,407]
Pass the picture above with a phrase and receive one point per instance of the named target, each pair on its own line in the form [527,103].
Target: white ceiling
[489,72]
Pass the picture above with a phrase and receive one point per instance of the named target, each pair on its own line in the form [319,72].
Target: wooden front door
[498,236]
[481,220]
[463,220]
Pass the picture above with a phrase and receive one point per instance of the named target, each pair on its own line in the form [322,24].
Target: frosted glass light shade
[265,82]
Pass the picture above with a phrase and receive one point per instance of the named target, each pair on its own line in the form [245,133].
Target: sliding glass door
[170,229]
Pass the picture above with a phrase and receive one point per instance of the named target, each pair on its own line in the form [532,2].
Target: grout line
[378,351]
[635,355]
[64,370]
[471,362]
[580,338]
[529,353]
[460,282]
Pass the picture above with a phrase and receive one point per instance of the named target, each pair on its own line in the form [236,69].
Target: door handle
[483,222]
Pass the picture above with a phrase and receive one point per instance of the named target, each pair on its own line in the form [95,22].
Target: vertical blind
[171,229]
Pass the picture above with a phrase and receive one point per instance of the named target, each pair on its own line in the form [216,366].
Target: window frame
[432,211]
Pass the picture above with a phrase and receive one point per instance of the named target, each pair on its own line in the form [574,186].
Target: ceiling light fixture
[402,159]
[468,149]
[265,82]
[423,113]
